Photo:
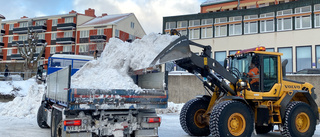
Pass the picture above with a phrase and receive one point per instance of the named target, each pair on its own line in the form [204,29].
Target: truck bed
[153,93]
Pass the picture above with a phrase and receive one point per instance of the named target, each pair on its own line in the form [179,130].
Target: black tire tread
[40,118]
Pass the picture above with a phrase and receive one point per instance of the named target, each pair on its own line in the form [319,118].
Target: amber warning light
[252,49]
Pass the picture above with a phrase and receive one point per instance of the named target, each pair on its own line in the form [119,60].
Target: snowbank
[24,106]
[16,88]
[110,71]
[172,108]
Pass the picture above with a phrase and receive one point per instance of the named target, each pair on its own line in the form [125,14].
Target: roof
[105,20]
[2,17]
[212,2]
[40,18]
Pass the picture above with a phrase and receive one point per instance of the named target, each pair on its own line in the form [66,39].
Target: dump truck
[236,104]
[78,112]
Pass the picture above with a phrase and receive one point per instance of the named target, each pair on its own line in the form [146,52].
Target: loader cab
[266,63]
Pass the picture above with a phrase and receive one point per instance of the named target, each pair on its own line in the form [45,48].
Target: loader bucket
[176,50]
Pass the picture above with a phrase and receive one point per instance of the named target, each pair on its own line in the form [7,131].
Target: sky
[149,13]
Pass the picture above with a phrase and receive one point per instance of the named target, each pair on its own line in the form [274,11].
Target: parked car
[309,71]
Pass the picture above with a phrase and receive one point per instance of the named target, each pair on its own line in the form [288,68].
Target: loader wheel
[263,129]
[192,118]
[41,117]
[231,119]
[299,120]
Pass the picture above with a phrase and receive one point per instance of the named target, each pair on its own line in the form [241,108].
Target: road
[27,127]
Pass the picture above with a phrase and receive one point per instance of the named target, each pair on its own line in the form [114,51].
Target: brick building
[286,26]
[73,33]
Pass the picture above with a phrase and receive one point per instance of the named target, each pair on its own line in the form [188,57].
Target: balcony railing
[20,42]
[66,26]
[65,40]
[2,32]
[24,30]
[1,44]
[98,38]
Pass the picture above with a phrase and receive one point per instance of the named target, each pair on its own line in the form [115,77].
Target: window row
[303,57]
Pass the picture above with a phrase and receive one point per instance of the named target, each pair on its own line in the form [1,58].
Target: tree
[28,52]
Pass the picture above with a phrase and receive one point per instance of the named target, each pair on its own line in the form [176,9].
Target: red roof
[2,17]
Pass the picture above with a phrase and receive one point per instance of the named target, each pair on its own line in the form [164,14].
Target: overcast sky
[149,12]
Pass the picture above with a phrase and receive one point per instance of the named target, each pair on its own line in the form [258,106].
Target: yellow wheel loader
[235,106]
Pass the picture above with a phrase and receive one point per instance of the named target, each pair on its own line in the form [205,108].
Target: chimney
[72,12]
[24,17]
[89,12]
[104,14]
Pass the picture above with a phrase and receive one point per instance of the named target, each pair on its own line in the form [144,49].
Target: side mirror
[225,63]
[284,64]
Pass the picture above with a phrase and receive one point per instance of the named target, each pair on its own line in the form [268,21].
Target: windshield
[240,65]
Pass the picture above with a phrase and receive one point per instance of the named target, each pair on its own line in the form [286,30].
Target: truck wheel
[299,120]
[191,119]
[41,117]
[263,129]
[232,119]
[56,129]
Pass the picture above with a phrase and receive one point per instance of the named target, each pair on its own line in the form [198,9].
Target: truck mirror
[284,64]
[225,63]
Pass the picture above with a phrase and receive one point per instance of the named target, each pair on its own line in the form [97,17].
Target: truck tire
[41,117]
[299,120]
[56,118]
[263,129]
[189,116]
[232,119]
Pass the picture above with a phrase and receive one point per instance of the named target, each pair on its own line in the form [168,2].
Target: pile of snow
[24,106]
[15,88]
[110,71]
[172,108]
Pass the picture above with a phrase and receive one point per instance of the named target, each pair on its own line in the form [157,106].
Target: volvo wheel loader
[234,106]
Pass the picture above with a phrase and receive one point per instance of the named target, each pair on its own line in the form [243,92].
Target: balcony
[24,30]
[16,56]
[66,26]
[98,38]
[1,44]
[20,42]
[65,40]
[2,32]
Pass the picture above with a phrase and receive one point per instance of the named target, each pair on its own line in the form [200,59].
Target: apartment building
[286,26]
[72,33]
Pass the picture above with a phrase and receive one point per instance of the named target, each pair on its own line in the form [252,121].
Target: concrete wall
[183,88]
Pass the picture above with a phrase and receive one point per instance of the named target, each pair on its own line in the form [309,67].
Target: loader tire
[299,120]
[41,117]
[56,129]
[263,129]
[231,119]
[191,120]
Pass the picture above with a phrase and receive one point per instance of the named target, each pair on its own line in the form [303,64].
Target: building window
[194,23]
[220,56]
[67,48]
[220,30]
[235,29]
[52,50]
[10,39]
[303,57]
[267,25]
[303,21]
[232,52]
[1,39]
[287,54]
[11,26]
[40,22]
[68,34]
[84,33]
[132,25]
[317,16]
[23,24]
[318,55]
[284,23]
[183,32]
[22,37]
[2,26]
[206,32]
[54,22]
[100,32]
[68,20]
[170,25]
[83,48]
[270,49]
[194,33]
[38,49]
[53,36]
[132,37]
[182,24]
[41,36]
[207,22]
[250,27]
[9,52]
[117,33]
